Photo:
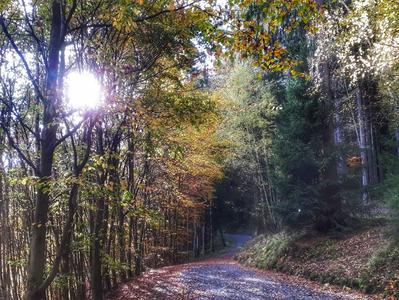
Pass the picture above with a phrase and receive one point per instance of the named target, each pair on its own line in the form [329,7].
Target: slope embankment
[220,277]
[367,260]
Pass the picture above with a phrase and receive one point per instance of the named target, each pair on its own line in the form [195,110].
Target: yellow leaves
[123,184]
[257,31]
[38,225]
[278,52]
[392,289]
[4,5]
[171,6]
[187,203]
[218,51]
[185,152]
[296,73]
[109,186]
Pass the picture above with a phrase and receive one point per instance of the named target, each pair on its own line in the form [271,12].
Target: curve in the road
[221,278]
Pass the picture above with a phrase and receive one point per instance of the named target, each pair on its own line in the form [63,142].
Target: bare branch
[33,34]
[68,19]
[21,56]
[24,156]
[69,133]
[20,119]
[88,146]
[86,26]
[162,12]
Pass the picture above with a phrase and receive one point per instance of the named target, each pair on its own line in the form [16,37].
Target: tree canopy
[294,127]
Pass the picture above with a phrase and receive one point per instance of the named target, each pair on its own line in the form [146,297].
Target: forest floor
[365,259]
[220,277]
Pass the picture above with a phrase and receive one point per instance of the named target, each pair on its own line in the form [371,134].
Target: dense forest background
[320,149]
[247,115]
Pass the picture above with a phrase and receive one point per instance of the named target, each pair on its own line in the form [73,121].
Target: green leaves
[260,28]
[249,111]
[4,4]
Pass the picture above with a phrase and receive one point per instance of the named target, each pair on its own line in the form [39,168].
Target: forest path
[222,278]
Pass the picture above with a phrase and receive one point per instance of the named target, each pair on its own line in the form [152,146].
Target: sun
[83,90]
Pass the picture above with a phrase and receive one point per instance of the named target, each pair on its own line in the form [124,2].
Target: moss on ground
[367,260]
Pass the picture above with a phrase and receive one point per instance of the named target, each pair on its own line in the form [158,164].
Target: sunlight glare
[83,90]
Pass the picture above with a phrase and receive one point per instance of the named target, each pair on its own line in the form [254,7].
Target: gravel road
[229,280]
[222,278]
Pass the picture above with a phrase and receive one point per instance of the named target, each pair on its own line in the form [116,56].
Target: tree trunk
[332,213]
[362,144]
[97,239]
[37,258]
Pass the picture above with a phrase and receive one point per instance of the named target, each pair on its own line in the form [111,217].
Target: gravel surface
[231,281]
[222,278]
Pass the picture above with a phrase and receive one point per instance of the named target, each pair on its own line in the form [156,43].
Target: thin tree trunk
[98,231]
[362,144]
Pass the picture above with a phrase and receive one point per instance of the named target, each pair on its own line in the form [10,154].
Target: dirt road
[223,278]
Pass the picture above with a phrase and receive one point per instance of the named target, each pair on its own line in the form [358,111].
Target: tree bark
[37,258]
[362,144]
[332,213]
[97,238]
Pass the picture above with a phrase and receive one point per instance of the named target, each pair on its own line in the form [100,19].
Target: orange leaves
[179,134]
[197,169]
[392,288]
[171,6]
[353,161]
[260,26]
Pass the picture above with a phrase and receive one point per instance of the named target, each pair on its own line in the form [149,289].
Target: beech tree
[303,134]
[56,147]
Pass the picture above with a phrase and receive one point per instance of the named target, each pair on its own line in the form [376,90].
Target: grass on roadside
[367,260]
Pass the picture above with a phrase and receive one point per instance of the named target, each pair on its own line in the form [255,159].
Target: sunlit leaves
[259,29]
[249,111]
[363,37]
[4,4]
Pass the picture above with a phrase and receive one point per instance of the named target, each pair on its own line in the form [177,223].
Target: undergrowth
[265,251]
[367,260]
